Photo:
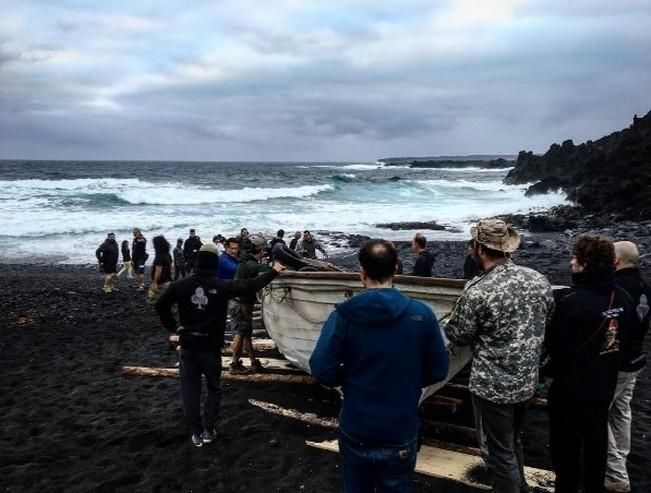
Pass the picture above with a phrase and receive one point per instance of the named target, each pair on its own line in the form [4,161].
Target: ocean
[60,211]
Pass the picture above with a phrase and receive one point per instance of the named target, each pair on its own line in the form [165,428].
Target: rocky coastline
[486,162]
[610,177]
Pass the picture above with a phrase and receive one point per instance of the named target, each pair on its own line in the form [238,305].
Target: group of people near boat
[382,348]
[183,258]
[239,257]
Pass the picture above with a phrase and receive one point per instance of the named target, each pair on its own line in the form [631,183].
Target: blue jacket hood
[374,306]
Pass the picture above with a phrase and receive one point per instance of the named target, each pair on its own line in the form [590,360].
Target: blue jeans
[381,468]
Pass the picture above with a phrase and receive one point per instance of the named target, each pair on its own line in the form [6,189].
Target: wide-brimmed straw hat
[496,235]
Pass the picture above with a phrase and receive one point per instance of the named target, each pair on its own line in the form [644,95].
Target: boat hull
[296,305]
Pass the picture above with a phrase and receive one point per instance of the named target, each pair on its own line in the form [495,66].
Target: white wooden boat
[296,305]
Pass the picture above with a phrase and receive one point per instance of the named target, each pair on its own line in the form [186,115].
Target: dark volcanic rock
[454,163]
[610,175]
[431,225]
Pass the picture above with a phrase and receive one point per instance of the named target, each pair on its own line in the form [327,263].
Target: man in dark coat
[202,300]
[107,255]
[190,250]
[424,259]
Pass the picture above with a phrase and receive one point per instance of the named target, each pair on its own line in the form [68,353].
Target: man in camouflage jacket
[502,314]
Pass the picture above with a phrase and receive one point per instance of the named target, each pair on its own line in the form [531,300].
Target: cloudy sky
[316,80]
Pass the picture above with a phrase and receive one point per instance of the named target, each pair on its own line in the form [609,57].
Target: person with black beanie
[202,300]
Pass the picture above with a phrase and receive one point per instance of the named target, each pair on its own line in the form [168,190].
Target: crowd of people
[172,264]
[382,348]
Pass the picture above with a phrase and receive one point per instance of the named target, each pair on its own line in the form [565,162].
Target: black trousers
[193,365]
[179,271]
[578,429]
[499,430]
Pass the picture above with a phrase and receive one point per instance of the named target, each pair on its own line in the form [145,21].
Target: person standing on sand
[295,240]
[308,246]
[470,267]
[127,266]
[502,315]
[107,255]
[424,259]
[161,272]
[248,268]
[139,257]
[228,262]
[179,260]
[627,276]
[280,235]
[592,322]
[190,249]
[201,299]
[382,348]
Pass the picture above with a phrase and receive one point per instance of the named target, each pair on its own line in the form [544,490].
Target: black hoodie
[202,300]
[584,359]
[108,252]
[633,358]
[423,265]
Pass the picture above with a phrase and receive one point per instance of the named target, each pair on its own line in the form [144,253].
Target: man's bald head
[626,254]
[378,258]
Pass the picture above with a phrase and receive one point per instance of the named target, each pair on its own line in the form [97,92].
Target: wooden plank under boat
[296,305]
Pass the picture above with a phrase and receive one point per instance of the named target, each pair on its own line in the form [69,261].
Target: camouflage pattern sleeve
[462,324]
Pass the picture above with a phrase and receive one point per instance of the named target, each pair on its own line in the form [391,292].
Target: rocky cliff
[609,175]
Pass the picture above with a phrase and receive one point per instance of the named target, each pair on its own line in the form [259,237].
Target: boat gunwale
[353,276]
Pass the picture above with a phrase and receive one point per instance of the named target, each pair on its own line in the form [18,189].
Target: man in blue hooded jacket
[382,348]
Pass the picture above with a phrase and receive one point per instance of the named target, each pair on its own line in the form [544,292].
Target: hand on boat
[278,267]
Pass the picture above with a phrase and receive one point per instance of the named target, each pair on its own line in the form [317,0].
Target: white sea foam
[362,166]
[170,195]
[134,191]
[69,218]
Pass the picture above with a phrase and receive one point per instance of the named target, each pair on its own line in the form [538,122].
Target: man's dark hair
[215,238]
[192,231]
[306,232]
[110,234]
[594,253]
[420,240]
[378,258]
[232,240]
[280,233]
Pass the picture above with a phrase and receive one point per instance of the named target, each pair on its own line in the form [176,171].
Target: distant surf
[69,214]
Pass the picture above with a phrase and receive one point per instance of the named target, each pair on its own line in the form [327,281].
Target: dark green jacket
[248,268]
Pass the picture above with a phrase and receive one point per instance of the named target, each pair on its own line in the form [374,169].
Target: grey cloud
[7,54]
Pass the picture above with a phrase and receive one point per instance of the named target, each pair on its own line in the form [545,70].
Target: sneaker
[617,486]
[197,441]
[256,366]
[208,435]
[115,289]
[141,288]
[107,289]
[238,368]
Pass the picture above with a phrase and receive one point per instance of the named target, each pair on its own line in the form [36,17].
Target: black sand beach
[71,423]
